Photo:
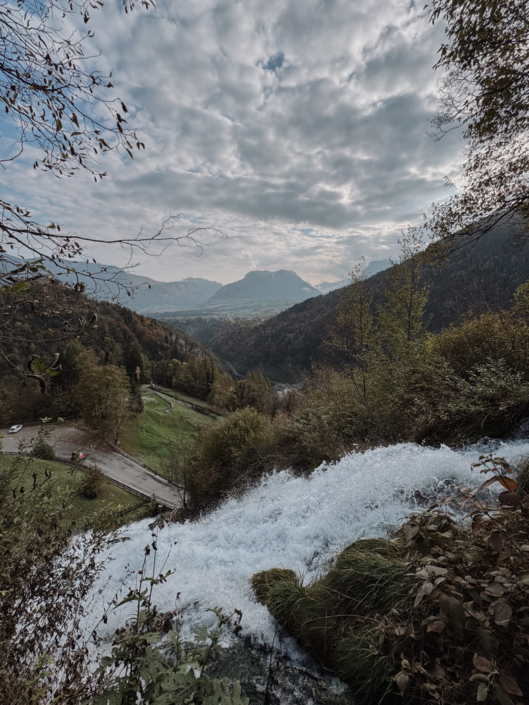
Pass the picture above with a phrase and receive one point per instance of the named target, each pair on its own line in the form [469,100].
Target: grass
[360,662]
[172,393]
[152,434]
[366,583]
[124,506]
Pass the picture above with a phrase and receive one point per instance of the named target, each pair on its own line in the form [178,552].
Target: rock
[269,677]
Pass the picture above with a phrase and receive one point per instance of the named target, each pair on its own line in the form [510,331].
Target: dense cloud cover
[297,126]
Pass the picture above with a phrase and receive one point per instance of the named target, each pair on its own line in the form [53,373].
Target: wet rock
[269,677]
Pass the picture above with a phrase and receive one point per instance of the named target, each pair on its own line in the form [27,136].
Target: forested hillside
[43,337]
[116,326]
[478,276]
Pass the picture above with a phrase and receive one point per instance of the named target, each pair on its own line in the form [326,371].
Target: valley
[264,353]
[249,492]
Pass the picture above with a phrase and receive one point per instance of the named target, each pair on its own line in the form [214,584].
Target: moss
[383,547]
[264,581]
[288,603]
[366,579]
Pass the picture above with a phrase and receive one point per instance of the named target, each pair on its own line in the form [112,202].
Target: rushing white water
[288,522]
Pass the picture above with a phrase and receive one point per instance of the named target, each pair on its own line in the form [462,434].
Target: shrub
[228,455]
[45,578]
[93,483]
[493,336]
[42,450]
[367,580]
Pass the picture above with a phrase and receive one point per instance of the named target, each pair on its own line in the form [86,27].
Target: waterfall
[288,522]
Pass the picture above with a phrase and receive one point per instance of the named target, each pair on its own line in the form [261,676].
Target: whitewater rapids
[285,522]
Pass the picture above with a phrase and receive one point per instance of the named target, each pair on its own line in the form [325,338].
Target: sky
[298,128]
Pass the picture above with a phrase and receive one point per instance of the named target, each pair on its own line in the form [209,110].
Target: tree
[104,395]
[401,318]
[352,332]
[57,106]
[226,454]
[178,467]
[255,391]
[64,111]
[485,92]
[222,393]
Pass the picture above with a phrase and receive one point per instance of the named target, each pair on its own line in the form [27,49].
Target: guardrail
[144,495]
[163,398]
[118,449]
[196,407]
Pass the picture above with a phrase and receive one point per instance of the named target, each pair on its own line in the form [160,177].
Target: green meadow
[152,434]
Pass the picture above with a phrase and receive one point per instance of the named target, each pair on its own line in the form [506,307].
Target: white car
[15,429]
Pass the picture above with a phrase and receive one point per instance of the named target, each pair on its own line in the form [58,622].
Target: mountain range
[477,277]
[146,295]
[108,283]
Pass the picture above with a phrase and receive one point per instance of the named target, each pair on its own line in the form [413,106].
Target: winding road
[122,471]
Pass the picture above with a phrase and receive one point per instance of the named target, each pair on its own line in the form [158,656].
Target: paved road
[66,439]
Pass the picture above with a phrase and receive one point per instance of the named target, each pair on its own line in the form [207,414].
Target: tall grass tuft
[359,662]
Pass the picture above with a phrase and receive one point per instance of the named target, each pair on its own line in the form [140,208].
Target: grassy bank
[152,434]
[438,614]
[124,507]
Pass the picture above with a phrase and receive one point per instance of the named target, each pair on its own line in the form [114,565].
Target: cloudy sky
[297,127]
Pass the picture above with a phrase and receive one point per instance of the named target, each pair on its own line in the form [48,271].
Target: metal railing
[118,449]
[206,410]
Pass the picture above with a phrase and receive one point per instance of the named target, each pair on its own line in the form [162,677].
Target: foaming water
[288,522]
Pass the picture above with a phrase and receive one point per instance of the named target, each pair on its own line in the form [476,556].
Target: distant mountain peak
[263,285]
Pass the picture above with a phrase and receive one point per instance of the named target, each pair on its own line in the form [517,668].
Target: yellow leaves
[483,692]
[507,482]
[498,466]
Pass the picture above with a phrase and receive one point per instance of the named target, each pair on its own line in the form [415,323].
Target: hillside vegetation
[478,276]
[46,343]
[386,380]
[153,436]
